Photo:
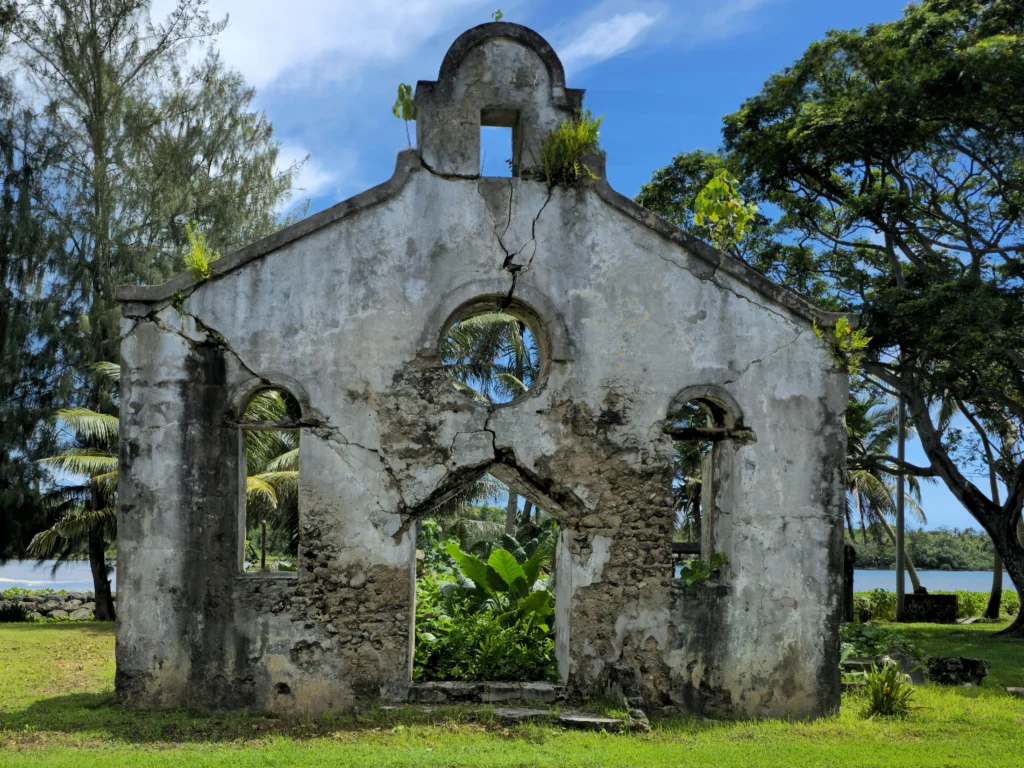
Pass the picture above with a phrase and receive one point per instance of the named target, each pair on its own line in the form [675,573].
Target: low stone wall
[78,606]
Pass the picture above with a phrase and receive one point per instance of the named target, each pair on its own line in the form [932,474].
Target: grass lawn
[56,683]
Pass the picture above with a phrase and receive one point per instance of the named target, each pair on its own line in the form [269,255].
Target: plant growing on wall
[563,151]
[199,255]
[720,206]
[404,108]
[694,573]
[848,344]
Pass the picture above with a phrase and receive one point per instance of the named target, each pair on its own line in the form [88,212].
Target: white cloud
[607,38]
[613,27]
[333,39]
[726,18]
[313,178]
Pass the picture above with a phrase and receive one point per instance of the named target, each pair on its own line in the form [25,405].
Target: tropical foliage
[484,598]
[941,549]
[889,693]
[485,620]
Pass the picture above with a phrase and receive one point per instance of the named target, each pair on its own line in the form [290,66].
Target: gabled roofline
[408,161]
[721,262]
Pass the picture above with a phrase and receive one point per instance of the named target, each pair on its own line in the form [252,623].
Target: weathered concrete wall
[346,311]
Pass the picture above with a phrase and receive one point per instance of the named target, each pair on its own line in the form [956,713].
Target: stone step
[585,721]
[484,693]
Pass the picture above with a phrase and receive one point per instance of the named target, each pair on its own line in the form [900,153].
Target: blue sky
[662,73]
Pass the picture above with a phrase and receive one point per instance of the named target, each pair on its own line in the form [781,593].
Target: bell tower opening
[500,142]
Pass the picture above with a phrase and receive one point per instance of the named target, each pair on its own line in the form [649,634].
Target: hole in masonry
[485,588]
[271,502]
[491,357]
[499,142]
[496,151]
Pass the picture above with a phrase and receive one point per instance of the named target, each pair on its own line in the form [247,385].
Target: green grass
[56,709]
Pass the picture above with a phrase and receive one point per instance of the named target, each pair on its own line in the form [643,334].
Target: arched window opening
[491,356]
[269,521]
[689,459]
[702,421]
[486,588]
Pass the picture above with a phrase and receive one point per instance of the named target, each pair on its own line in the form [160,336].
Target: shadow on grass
[92,628]
[89,716]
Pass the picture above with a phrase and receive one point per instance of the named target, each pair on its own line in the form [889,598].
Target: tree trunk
[906,557]
[527,510]
[996,598]
[1015,568]
[999,522]
[510,512]
[100,578]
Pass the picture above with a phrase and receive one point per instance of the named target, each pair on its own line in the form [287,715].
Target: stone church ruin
[634,320]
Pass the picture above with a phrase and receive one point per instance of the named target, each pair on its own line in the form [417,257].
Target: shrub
[889,693]
[693,573]
[883,603]
[483,620]
[871,640]
[563,151]
[12,612]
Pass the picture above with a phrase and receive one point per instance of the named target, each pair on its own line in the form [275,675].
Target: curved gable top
[482,33]
[493,74]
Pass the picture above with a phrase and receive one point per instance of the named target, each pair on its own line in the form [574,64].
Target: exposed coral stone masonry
[345,310]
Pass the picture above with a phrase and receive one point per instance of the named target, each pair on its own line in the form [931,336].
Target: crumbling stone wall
[345,310]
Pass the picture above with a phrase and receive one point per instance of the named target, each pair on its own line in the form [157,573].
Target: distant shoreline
[934,570]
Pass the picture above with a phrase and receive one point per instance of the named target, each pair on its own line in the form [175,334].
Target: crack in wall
[762,359]
[713,279]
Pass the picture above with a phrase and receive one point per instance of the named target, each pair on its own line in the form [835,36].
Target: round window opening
[492,356]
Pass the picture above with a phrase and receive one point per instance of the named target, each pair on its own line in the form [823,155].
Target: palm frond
[87,462]
[286,462]
[256,488]
[74,529]
[110,371]
[88,425]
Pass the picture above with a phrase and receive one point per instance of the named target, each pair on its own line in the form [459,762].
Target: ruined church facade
[346,309]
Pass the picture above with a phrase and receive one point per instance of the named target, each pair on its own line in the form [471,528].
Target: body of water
[933,581]
[74,576]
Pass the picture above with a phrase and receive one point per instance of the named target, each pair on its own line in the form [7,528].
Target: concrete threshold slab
[485,692]
[569,719]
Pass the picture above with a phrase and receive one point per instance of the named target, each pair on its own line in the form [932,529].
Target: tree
[672,193]
[897,151]
[870,487]
[86,511]
[146,143]
[28,149]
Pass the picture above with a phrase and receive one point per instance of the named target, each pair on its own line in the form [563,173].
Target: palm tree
[871,430]
[272,471]
[492,357]
[86,510]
